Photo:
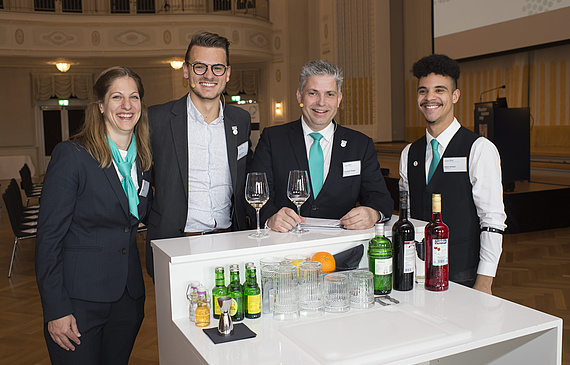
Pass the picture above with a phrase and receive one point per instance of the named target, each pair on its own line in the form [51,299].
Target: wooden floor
[534,271]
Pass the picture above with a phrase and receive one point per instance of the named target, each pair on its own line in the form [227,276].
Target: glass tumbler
[361,288]
[311,302]
[268,287]
[336,293]
[286,303]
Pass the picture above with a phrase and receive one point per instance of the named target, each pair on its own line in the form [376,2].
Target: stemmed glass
[257,194]
[298,191]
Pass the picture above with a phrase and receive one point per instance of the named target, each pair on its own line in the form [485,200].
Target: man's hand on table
[284,220]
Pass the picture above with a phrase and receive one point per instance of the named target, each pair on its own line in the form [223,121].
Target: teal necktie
[316,163]
[124,167]
[435,158]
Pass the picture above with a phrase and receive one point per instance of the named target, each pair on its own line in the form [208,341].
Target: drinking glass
[286,305]
[311,302]
[336,293]
[257,194]
[361,287]
[298,191]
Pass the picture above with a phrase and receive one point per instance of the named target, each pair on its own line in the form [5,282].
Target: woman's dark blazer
[86,242]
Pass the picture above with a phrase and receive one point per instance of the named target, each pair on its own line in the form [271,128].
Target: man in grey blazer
[349,172]
[200,149]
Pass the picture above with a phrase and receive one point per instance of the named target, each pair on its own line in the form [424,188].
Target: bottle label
[233,307]
[216,306]
[439,252]
[409,256]
[254,304]
[382,266]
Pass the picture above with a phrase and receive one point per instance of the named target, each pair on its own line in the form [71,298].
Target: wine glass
[298,191]
[257,194]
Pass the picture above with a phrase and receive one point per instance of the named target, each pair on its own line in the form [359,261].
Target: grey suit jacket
[169,138]
[86,243]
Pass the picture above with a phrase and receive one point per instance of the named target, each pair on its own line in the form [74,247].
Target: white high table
[458,326]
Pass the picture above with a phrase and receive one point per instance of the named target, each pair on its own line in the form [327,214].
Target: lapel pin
[343,143]
[415,163]
[234,130]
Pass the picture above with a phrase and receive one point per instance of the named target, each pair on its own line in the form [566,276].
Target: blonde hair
[92,135]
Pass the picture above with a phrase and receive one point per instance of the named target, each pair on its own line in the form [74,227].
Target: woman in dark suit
[95,193]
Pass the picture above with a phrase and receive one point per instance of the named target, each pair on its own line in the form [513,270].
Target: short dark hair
[207,39]
[438,64]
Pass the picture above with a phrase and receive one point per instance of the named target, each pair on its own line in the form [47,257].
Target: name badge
[242,150]
[455,164]
[144,188]
[351,168]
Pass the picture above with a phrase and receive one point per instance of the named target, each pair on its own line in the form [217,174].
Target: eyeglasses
[201,68]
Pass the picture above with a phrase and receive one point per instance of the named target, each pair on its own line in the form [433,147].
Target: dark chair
[27,218]
[28,186]
[15,189]
[28,172]
[20,231]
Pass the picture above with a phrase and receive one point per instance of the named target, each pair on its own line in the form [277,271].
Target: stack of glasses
[290,292]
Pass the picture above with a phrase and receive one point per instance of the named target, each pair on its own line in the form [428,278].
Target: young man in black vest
[466,171]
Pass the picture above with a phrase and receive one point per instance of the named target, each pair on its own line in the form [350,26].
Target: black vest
[458,210]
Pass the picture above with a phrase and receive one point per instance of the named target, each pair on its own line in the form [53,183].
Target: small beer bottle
[202,314]
[219,290]
[235,291]
[252,295]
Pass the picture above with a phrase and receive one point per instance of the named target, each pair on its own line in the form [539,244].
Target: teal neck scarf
[124,168]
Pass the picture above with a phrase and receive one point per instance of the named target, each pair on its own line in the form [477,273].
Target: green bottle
[252,295]
[235,291]
[380,261]
[219,290]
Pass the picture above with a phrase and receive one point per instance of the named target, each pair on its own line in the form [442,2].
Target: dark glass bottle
[219,290]
[436,237]
[403,247]
[252,295]
[380,261]
[235,291]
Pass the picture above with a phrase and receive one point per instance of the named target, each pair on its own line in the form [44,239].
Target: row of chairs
[23,219]
[32,190]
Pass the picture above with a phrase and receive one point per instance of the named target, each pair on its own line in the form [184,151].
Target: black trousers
[108,332]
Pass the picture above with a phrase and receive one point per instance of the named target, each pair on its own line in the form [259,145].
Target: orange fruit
[326,259]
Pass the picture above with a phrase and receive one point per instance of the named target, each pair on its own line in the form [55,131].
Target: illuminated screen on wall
[470,28]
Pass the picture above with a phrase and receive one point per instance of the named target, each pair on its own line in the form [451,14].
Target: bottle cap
[194,284]
[436,203]
[201,289]
[219,268]
[379,228]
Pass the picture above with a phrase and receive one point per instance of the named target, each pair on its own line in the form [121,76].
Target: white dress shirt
[209,180]
[485,177]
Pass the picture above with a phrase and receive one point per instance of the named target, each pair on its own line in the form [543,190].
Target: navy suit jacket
[282,148]
[86,242]
[169,138]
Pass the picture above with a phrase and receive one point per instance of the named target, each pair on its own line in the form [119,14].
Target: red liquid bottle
[436,238]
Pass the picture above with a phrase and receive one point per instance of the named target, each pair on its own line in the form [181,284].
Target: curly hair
[437,64]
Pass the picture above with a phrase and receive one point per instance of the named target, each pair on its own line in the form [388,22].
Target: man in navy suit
[348,172]
[200,148]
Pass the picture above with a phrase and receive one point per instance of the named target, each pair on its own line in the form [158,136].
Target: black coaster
[241,332]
